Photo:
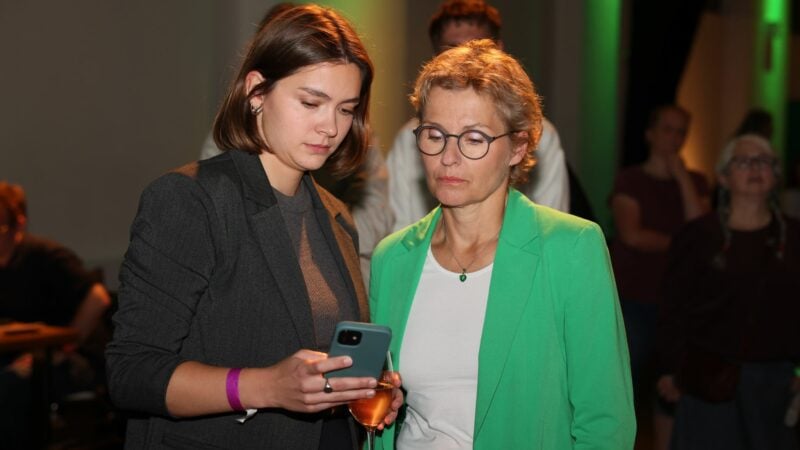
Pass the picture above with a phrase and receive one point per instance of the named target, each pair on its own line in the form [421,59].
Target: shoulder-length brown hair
[296,38]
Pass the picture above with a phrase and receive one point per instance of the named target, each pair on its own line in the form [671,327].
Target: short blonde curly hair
[482,66]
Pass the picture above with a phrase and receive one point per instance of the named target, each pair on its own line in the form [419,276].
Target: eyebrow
[320,94]
[469,127]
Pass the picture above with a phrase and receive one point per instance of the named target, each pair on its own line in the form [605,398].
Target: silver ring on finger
[327,389]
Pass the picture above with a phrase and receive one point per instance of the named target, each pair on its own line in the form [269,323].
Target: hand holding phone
[365,343]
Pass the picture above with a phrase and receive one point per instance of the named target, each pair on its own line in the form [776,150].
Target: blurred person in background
[728,338]
[41,281]
[649,203]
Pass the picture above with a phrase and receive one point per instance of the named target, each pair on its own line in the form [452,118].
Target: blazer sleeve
[163,276]
[598,368]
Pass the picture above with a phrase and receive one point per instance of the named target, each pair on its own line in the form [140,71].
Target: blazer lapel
[345,254]
[401,287]
[270,230]
[516,261]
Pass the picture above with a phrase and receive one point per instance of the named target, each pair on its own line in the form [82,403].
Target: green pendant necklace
[463,275]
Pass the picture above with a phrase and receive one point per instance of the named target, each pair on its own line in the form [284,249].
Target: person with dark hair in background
[240,266]
[365,191]
[756,121]
[649,203]
[456,22]
[728,336]
[40,281]
[506,322]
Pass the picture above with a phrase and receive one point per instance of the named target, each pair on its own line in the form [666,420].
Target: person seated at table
[40,281]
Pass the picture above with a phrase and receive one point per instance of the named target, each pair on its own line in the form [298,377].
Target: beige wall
[563,47]
[717,84]
[381,25]
[98,98]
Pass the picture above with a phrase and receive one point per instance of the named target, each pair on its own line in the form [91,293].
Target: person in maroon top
[728,337]
[650,202]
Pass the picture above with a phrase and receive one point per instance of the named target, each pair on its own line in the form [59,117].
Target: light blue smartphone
[365,343]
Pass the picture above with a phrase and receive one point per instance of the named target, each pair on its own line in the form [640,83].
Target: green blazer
[553,370]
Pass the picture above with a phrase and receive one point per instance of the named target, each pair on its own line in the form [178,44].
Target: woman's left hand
[397,398]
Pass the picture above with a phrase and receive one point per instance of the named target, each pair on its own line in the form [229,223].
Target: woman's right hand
[297,384]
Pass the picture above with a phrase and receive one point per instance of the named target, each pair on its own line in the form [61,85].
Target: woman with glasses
[728,335]
[507,328]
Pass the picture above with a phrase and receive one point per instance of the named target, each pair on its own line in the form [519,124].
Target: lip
[450,180]
[319,148]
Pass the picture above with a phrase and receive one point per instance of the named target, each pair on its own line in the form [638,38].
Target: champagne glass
[370,412]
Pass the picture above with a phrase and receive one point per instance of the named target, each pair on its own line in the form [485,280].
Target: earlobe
[520,141]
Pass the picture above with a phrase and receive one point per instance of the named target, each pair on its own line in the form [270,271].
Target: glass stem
[370,438]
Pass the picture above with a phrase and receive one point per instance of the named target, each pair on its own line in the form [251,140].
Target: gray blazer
[210,275]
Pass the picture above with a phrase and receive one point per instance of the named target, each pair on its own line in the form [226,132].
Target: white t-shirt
[439,358]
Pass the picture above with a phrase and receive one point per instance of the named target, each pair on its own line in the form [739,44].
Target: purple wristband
[232,389]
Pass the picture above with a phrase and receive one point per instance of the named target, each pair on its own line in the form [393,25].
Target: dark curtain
[661,39]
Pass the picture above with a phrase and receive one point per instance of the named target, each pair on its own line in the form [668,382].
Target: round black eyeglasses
[473,144]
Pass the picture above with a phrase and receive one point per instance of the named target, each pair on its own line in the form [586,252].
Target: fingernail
[370,394]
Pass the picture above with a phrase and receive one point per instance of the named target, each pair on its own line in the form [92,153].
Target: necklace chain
[463,275]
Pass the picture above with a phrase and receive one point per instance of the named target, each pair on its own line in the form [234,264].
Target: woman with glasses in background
[506,323]
[728,335]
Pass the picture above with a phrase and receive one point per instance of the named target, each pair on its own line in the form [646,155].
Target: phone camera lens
[349,337]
